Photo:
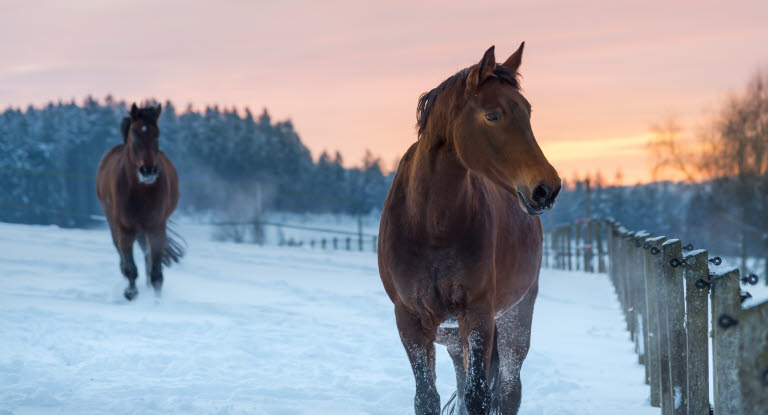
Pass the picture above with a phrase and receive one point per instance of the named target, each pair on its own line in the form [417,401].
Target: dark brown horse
[460,240]
[139,189]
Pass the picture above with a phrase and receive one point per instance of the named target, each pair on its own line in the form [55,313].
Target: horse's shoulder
[403,168]
[409,154]
[167,164]
[164,159]
[112,154]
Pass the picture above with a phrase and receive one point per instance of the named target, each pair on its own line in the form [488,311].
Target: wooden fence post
[360,232]
[577,247]
[563,241]
[753,371]
[621,240]
[662,311]
[673,279]
[629,311]
[609,230]
[593,227]
[638,286]
[568,238]
[726,309]
[558,249]
[618,248]
[650,271]
[696,274]
[556,246]
[633,294]
[599,242]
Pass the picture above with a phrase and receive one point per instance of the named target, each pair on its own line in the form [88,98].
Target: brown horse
[460,240]
[138,188]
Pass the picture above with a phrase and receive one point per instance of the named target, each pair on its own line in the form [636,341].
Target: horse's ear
[159,110]
[513,62]
[125,125]
[134,111]
[483,70]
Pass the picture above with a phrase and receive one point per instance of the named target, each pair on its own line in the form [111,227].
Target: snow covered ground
[243,329]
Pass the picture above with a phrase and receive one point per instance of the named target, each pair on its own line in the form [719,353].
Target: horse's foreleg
[157,240]
[514,340]
[418,341]
[476,327]
[141,238]
[125,240]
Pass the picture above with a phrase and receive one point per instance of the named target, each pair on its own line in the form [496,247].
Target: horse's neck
[441,188]
[127,171]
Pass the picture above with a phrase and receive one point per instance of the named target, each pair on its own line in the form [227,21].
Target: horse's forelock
[427,100]
[149,115]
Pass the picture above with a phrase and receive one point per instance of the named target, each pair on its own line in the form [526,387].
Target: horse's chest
[440,256]
[144,207]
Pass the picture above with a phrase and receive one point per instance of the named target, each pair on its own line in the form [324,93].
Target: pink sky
[349,73]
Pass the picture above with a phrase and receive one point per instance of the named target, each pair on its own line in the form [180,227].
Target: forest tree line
[235,164]
[231,163]
[722,202]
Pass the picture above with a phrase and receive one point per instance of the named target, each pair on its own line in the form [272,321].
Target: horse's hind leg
[124,241]
[514,331]
[157,240]
[450,337]
[419,345]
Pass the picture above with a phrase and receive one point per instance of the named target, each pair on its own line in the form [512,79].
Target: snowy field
[243,329]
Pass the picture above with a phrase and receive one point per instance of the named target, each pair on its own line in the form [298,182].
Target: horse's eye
[492,116]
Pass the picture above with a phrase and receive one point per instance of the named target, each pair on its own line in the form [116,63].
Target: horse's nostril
[147,170]
[542,193]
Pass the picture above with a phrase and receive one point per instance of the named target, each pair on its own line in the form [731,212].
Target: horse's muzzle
[544,200]
[148,174]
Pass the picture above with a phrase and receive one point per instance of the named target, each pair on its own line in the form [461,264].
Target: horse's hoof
[130,293]
[158,287]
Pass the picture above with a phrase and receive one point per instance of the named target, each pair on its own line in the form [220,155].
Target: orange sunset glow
[349,73]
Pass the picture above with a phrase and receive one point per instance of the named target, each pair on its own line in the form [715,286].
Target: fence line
[664,289]
[312,242]
[247,187]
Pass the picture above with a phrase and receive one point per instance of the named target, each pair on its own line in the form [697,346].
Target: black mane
[427,99]
[125,125]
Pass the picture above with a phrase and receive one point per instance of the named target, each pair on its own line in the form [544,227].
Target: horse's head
[141,137]
[487,120]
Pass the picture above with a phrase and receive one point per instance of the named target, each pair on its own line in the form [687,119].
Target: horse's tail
[494,380]
[175,247]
